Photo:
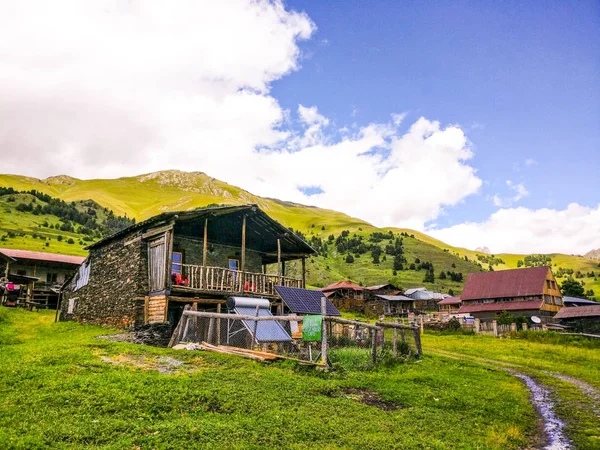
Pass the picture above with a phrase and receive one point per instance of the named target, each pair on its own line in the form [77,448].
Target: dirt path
[540,395]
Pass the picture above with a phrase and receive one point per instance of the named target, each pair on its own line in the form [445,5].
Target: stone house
[148,272]
[528,292]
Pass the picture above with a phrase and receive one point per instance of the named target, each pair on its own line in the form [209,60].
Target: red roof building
[529,292]
[450,305]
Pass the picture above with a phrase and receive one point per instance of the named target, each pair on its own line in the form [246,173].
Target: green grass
[540,355]
[59,391]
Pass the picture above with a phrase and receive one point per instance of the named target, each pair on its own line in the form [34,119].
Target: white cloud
[398,118]
[574,230]
[530,162]
[519,192]
[111,89]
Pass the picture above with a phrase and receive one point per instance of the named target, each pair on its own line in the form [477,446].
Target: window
[176,263]
[548,299]
[21,272]
[83,275]
[558,301]
[234,264]
[51,277]
[71,307]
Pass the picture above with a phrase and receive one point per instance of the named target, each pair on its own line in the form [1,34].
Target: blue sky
[521,79]
[477,122]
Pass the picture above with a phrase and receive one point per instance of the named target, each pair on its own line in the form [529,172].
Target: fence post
[395,343]
[417,336]
[324,332]
[219,325]
[421,324]
[513,327]
[374,345]
[544,327]
[255,326]
[477,325]
[524,325]
[495,328]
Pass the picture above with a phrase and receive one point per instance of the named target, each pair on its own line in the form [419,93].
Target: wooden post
[219,326]
[255,326]
[243,265]
[304,272]
[205,243]
[417,336]
[495,328]
[421,324]
[513,327]
[477,325]
[524,325]
[324,348]
[374,345]
[279,260]
[395,343]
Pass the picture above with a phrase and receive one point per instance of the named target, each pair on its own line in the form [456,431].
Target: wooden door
[157,260]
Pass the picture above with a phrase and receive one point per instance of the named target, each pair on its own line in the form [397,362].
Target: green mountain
[143,196]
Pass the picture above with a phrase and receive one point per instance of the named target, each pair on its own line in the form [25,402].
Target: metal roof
[450,301]
[305,301]
[501,306]
[224,227]
[395,298]
[343,285]
[413,290]
[5,257]
[505,283]
[266,330]
[581,311]
[575,301]
[42,256]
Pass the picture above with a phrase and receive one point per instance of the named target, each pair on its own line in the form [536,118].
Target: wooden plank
[303,272]
[374,345]
[324,354]
[351,322]
[243,262]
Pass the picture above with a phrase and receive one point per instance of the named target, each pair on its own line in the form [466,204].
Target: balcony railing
[220,279]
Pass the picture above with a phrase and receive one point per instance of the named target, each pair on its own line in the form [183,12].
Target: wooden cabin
[528,292]
[450,305]
[40,274]
[147,272]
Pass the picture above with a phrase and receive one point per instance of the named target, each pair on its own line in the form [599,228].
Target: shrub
[70,241]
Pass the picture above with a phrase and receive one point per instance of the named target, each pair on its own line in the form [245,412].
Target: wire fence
[341,343]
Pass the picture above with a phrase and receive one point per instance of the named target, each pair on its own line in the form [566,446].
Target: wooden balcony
[227,281]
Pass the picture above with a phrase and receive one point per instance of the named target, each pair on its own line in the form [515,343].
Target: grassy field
[63,388]
[570,367]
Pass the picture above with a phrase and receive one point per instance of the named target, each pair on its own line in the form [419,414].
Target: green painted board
[312,327]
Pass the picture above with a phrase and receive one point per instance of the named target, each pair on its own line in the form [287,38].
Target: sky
[476,122]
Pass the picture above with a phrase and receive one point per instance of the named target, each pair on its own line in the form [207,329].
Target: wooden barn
[528,292]
[147,272]
[585,319]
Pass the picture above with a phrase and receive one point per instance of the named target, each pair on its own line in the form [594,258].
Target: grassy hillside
[143,196]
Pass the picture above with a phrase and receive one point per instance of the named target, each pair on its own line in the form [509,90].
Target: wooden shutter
[157,259]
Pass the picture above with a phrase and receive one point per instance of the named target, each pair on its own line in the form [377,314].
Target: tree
[376,253]
[572,288]
[451,292]
[349,258]
[398,262]
[519,263]
[442,275]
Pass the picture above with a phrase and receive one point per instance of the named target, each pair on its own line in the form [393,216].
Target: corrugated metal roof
[501,306]
[42,256]
[574,301]
[505,283]
[5,257]
[413,290]
[580,311]
[305,301]
[395,298]
[450,301]
[343,285]
[266,330]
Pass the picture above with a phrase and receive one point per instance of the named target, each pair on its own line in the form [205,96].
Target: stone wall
[217,256]
[118,276]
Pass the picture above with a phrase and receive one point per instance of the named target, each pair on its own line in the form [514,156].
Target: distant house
[425,300]
[148,272]
[383,289]
[389,305]
[373,301]
[529,292]
[40,274]
[450,305]
[585,319]
[346,295]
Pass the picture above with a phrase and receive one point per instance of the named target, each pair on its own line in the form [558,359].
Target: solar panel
[266,330]
[305,301]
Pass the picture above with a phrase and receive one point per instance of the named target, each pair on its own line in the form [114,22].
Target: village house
[450,305]
[585,319]
[148,272]
[528,292]
[373,301]
[346,296]
[425,300]
[39,274]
